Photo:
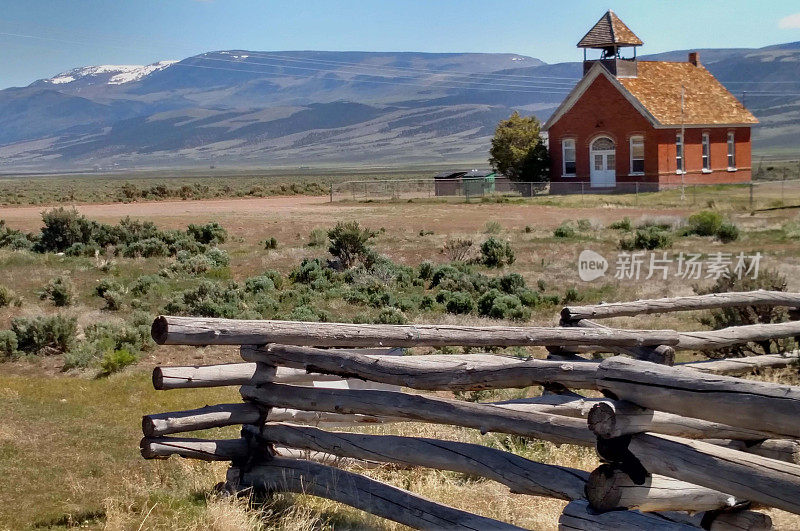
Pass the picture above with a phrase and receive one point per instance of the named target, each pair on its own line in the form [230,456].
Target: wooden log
[203,449]
[322,418]
[761,406]
[372,496]
[680,304]
[781,449]
[579,516]
[736,335]
[662,354]
[200,419]
[483,417]
[171,330]
[609,488]
[467,372]
[729,520]
[615,418]
[521,475]
[165,378]
[329,459]
[740,366]
[752,477]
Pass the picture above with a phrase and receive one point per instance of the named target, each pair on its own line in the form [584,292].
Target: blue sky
[39,38]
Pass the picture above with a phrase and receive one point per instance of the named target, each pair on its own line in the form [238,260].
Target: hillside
[249,108]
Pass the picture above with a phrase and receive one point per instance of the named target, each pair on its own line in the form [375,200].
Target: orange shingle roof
[609,31]
[706,100]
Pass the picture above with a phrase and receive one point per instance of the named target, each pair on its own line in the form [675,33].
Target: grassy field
[69,426]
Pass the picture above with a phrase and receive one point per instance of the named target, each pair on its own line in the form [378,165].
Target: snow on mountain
[109,74]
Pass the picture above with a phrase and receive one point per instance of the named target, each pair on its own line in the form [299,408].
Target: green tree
[518,151]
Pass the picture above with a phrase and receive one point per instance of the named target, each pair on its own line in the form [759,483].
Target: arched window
[603,144]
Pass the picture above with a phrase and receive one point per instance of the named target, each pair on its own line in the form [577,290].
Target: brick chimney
[694,58]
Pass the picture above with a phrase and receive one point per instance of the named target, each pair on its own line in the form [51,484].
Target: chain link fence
[756,195]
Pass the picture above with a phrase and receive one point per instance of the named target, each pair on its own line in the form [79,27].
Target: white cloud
[790,22]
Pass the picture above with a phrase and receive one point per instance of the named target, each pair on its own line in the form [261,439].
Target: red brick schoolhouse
[655,122]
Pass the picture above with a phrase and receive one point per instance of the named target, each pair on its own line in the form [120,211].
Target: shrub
[728,232]
[391,316]
[144,285]
[349,242]
[457,250]
[270,243]
[511,283]
[565,230]
[147,248]
[495,253]
[8,343]
[60,290]
[304,313]
[649,238]
[768,279]
[584,225]
[62,228]
[106,285]
[208,299]
[44,334]
[705,223]
[459,302]
[274,276]
[572,295]
[259,284]
[116,360]
[8,297]
[114,300]
[318,238]
[210,233]
[623,224]
[528,229]
[14,238]
[425,270]
[497,305]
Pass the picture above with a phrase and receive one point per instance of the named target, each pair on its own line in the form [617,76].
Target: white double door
[603,163]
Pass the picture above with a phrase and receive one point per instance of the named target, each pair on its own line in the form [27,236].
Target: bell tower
[609,35]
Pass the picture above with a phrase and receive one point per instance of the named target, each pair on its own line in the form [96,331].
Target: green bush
[728,232]
[107,285]
[705,223]
[425,271]
[8,343]
[391,316]
[60,290]
[459,302]
[51,334]
[349,242]
[623,224]
[210,233]
[270,243]
[14,238]
[147,248]
[116,360]
[496,253]
[584,225]
[649,238]
[259,284]
[565,230]
[498,305]
[62,229]
[511,283]
[208,299]
[143,285]
[115,300]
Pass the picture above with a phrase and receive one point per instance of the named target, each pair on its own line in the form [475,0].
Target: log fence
[684,446]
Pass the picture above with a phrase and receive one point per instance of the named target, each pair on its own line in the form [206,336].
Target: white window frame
[731,150]
[630,153]
[564,142]
[705,153]
[679,153]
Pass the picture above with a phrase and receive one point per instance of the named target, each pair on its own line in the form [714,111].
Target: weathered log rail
[685,446]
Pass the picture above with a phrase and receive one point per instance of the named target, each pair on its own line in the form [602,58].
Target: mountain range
[303,108]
